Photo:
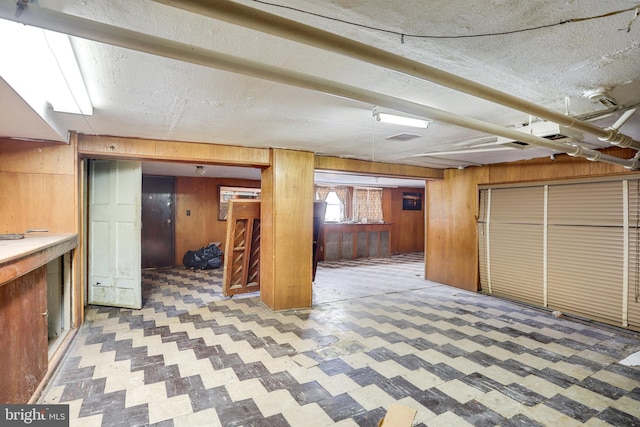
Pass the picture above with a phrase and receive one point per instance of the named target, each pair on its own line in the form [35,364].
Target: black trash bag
[211,251]
[206,258]
[214,263]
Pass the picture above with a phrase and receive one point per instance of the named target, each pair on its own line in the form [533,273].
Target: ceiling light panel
[400,120]
[41,67]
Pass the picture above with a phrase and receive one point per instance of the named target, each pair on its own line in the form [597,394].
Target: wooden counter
[24,311]
[355,240]
[18,257]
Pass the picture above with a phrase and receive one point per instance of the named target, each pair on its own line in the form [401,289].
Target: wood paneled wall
[40,188]
[451,241]
[100,146]
[364,167]
[407,230]
[200,196]
[37,187]
[287,230]
[452,206]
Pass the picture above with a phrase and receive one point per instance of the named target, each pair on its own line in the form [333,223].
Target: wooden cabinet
[24,312]
[348,241]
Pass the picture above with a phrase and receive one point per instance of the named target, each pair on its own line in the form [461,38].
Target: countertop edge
[32,252]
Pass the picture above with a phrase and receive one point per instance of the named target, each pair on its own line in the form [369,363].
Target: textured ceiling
[137,94]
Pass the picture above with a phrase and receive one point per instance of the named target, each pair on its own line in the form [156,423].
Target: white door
[115,191]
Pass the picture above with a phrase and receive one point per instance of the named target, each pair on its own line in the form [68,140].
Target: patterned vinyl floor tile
[377,334]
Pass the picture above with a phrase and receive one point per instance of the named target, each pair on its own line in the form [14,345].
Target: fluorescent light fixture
[400,120]
[467,151]
[79,102]
[41,67]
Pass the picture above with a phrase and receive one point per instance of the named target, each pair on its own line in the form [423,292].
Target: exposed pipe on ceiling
[266,22]
[109,34]
[623,118]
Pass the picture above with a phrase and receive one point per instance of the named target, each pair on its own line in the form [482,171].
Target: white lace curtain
[367,203]
[322,191]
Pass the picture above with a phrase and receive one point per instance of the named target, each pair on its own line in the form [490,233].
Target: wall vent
[403,136]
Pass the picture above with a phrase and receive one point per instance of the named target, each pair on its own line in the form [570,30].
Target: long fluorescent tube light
[41,67]
[468,151]
[400,120]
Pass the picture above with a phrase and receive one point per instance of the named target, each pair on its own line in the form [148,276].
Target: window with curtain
[335,208]
[338,201]
[322,191]
[367,204]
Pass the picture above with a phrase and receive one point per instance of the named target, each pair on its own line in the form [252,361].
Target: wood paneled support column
[287,230]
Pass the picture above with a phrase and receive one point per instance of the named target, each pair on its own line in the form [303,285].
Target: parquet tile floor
[377,334]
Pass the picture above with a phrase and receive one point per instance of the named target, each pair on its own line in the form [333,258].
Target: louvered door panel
[517,262]
[586,249]
[593,204]
[522,205]
[510,235]
[590,241]
[633,294]
[585,271]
